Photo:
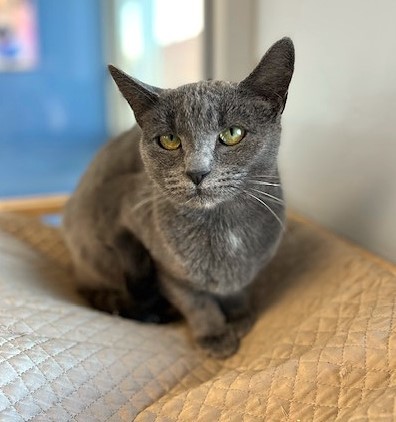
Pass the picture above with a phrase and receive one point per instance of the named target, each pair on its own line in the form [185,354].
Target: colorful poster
[18,35]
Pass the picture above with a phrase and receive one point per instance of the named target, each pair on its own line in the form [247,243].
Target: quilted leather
[323,348]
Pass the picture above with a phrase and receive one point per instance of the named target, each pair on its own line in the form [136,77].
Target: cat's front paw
[242,325]
[219,346]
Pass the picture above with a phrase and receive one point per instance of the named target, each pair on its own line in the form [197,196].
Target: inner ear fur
[271,77]
[140,96]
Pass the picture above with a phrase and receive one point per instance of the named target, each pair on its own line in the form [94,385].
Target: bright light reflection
[177,20]
[132,42]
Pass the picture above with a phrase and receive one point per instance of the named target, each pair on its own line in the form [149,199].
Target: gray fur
[207,242]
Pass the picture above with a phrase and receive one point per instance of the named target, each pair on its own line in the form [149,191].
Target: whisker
[268,208]
[141,203]
[265,176]
[189,200]
[260,182]
[274,198]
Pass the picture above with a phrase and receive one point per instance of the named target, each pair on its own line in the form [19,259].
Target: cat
[187,206]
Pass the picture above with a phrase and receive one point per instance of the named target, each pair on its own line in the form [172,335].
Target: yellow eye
[232,136]
[170,142]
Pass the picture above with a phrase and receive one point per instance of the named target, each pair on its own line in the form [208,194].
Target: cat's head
[204,142]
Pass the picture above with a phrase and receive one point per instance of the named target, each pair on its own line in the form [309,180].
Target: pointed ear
[140,96]
[271,78]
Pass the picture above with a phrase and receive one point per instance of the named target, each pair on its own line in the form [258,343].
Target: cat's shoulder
[121,148]
[117,157]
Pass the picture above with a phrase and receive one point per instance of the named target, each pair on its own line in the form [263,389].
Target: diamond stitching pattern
[323,348]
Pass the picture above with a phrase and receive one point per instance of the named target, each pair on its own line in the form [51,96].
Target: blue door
[52,117]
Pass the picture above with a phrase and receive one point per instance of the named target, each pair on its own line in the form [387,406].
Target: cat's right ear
[272,76]
[140,96]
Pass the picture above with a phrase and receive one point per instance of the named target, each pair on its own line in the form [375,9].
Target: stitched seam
[31,392]
[65,373]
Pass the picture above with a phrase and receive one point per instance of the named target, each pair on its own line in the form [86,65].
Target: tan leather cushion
[324,347]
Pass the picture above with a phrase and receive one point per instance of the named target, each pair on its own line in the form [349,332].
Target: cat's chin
[200,198]
[203,200]
[204,203]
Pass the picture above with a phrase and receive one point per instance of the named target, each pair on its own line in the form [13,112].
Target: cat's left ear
[140,96]
[272,76]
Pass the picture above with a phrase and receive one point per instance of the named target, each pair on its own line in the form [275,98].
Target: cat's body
[192,219]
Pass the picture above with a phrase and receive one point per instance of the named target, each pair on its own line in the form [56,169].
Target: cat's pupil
[231,131]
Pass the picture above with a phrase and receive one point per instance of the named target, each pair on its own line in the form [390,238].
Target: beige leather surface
[323,349]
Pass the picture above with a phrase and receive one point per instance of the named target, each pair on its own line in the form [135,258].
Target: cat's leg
[100,279]
[149,305]
[204,316]
[119,278]
[238,311]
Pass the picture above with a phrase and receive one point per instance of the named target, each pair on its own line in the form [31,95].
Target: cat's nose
[197,176]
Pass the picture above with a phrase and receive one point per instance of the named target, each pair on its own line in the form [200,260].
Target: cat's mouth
[204,197]
[199,197]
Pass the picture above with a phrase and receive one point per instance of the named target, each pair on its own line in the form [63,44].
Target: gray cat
[187,206]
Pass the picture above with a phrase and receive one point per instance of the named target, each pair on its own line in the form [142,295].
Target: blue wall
[62,100]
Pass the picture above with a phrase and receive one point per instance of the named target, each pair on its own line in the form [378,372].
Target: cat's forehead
[199,91]
[200,105]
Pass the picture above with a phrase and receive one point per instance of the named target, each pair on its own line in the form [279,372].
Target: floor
[43,168]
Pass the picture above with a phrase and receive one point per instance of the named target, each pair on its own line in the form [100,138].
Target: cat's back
[102,185]
[119,156]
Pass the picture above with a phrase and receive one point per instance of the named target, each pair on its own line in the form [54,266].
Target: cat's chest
[221,257]
[211,247]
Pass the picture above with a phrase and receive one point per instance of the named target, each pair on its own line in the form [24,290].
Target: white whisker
[268,208]
[141,203]
[274,198]
[189,200]
[260,182]
[265,176]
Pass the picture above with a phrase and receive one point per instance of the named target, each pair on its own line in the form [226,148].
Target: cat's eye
[169,142]
[232,136]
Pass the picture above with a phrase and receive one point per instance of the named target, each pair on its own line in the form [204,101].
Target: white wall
[232,38]
[338,156]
